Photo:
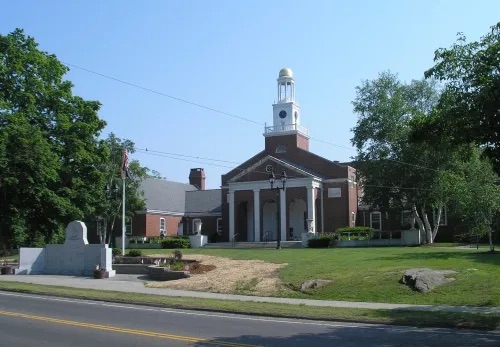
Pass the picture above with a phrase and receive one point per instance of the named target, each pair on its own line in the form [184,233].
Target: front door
[269,222]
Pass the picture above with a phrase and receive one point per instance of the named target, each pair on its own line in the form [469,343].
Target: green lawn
[372,274]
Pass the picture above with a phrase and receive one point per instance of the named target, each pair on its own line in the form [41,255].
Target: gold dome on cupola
[286,72]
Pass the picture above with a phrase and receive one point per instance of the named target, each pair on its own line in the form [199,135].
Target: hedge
[354,230]
[176,242]
[320,242]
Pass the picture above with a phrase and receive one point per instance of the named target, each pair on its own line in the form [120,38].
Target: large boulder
[424,280]
[313,284]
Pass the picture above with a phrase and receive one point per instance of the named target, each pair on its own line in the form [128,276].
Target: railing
[286,127]
[234,239]
[265,237]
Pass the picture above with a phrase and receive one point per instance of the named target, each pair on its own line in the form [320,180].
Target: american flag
[125,169]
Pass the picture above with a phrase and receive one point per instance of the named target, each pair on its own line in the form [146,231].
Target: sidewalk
[131,284]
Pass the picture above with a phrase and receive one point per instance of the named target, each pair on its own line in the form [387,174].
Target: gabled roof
[255,165]
[201,202]
[165,196]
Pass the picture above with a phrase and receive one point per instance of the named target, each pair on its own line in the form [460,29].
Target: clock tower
[286,113]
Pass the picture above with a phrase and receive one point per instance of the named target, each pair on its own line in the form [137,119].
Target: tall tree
[469,108]
[472,184]
[394,173]
[50,154]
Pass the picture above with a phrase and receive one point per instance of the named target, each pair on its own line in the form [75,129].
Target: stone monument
[198,240]
[76,257]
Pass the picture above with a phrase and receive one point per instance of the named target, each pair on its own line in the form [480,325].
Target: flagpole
[124,175]
[123,215]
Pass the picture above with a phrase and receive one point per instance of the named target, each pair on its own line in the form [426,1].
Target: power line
[219,111]
[164,94]
[185,155]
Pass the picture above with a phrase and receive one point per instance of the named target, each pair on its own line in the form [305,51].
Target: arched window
[280,149]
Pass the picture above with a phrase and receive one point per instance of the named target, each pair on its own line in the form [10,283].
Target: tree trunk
[428,229]
[436,225]
[490,238]
[113,223]
[419,221]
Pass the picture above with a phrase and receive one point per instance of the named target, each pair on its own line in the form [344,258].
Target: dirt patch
[229,276]
[199,268]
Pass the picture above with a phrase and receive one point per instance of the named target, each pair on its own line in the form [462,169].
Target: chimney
[197,178]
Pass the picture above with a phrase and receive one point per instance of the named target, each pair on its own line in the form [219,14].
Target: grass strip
[477,321]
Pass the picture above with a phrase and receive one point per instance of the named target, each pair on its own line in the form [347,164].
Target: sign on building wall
[334,192]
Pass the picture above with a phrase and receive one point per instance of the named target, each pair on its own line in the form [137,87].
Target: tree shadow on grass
[476,256]
[349,334]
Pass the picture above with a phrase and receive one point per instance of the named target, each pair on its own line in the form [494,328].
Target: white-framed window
[163,230]
[219,226]
[353,219]
[376,221]
[443,221]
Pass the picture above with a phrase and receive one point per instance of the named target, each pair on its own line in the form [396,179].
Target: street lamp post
[272,180]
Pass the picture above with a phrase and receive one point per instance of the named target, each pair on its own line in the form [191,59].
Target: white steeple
[286,111]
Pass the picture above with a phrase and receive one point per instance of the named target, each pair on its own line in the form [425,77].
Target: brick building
[318,189]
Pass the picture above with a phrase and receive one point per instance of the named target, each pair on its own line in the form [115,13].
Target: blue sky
[227,54]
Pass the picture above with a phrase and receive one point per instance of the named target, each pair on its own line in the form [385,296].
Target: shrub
[116,251]
[177,254]
[354,230]
[175,242]
[134,253]
[320,242]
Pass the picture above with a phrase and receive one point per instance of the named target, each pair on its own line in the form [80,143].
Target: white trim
[163,231]
[264,185]
[262,161]
[203,214]
[176,214]
[339,180]
[380,220]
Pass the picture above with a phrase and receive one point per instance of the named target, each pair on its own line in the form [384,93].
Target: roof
[203,202]
[163,195]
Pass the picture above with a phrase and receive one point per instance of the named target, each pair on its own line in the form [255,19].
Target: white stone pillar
[323,211]
[230,200]
[256,214]
[311,206]
[283,214]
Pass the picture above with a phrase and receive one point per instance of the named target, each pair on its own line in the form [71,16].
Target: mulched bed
[198,268]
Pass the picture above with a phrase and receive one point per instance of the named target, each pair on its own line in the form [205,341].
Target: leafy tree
[469,107]
[476,194]
[49,147]
[395,173]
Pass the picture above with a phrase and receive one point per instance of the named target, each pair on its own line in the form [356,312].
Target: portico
[297,203]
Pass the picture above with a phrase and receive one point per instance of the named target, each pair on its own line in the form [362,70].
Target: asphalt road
[29,320]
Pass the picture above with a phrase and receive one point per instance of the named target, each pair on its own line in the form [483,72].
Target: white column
[256,214]
[311,206]
[230,200]
[322,212]
[283,214]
